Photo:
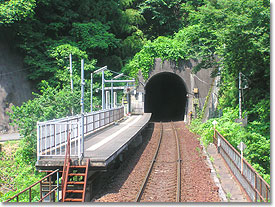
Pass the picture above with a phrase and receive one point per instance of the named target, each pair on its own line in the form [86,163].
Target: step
[75,182]
[47,185]
[78,166]
[76,174]
[74,191]
[73,200]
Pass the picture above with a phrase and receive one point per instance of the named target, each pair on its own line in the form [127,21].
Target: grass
[228,196]
[15,174]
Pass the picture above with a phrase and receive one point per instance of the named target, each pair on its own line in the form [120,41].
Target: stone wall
[14,86]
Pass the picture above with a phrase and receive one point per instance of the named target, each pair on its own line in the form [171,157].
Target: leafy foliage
[163,17]
[101,29]
[93,35]
[17,175]
[258,147]
[230,36]
[15,10]
[52,103]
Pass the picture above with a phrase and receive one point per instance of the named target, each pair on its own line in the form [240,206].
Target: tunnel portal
[165,97]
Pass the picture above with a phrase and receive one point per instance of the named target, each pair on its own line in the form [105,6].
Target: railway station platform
[105,145]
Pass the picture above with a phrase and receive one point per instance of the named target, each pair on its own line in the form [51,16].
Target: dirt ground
[197,183]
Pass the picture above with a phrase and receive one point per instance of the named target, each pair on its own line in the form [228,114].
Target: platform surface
[104,146]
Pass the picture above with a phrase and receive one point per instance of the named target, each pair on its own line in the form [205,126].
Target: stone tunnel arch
[165,97]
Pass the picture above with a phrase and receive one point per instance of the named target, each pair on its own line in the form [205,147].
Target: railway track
[162,182]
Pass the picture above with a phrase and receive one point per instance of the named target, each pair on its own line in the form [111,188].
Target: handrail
[51,135]
[236,151]
[66,168]
[256,174]
[29,188]
[53,190]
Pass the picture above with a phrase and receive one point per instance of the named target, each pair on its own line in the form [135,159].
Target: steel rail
[178,193]
[141,190]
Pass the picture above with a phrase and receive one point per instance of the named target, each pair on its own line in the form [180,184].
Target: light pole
[71,77]
[82,106]
[240,95]
[91,92]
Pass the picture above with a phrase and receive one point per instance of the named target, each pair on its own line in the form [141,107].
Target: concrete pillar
[137,141]
[120,157]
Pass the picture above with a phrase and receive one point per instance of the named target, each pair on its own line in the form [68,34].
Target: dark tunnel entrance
[165,97]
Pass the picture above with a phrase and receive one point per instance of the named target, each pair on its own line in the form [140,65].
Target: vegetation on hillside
[257,152]
[230,36]
[16,175]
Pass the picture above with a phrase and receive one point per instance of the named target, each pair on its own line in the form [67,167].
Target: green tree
[15,10]
[162,17]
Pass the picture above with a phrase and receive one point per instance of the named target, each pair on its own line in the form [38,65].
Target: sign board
[243,122]
[242,146]
[214,122]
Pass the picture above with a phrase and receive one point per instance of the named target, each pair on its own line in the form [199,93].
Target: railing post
[50,138]
[40,189]
[30,195]
[38,140]
[87,124]
[55,139]
[79,140]
[261,190]
[266,193]
[57,183]
[255,187]
[50,187]
[46,132]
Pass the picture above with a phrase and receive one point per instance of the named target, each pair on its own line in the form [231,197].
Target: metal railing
[254,185]
[52,135]
[52,191]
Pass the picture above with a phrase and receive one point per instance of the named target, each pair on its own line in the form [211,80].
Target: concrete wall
[201,80]
[14,86]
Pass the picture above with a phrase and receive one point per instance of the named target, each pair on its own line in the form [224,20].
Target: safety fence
[254,185]
[52,135]
[53,190]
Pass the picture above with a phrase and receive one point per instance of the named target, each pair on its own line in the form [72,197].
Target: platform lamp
[112,90]
[103,98]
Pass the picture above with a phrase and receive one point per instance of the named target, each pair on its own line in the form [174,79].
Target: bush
[257,152]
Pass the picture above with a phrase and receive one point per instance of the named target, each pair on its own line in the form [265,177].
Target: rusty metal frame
[30,187]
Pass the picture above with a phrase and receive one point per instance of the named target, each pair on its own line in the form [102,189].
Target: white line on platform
[107,139]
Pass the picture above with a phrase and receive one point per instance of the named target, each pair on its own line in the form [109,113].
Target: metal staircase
[74,179]
[75,183]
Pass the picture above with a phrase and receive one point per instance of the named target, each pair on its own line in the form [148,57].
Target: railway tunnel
[165,97]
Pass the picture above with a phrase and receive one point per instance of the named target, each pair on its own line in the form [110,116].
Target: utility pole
[82,106]
[240,95]
[71,77]
[71,73]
